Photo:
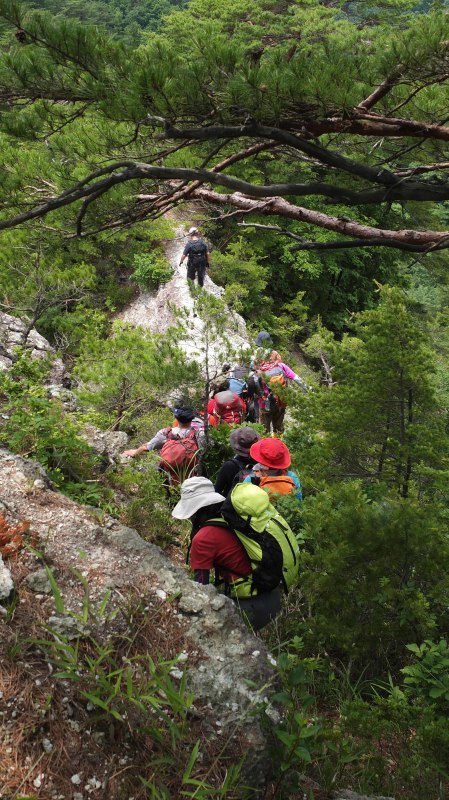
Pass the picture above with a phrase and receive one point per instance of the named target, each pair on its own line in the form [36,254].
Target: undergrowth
[97,698]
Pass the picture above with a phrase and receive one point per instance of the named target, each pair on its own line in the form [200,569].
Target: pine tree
[191,111]
[381,422]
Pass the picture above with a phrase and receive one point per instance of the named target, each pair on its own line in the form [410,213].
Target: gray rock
[106,443]
[38,582]
[68,399]
[12,335]
[212,629]
[156,311]
[67,627]
[192,603]
[6,581]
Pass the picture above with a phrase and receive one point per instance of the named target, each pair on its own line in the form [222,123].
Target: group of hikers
[236,530]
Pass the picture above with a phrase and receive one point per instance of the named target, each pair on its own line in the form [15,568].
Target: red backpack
[229,408]
[179,457]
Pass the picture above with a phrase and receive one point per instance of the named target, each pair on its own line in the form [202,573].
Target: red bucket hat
[272,453]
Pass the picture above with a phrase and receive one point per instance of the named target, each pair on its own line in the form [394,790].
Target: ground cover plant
[100,705]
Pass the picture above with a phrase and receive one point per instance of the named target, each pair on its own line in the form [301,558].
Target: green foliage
[34,426]
[402,746]
[146,508]
[376,574]
[127,21]
[219,449]
[151,270]
[125,374]
[242,275]
[381,422]
[428,677]
[299,730]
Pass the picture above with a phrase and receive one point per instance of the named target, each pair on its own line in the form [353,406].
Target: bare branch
[280,207]
[345,244]
[384,88]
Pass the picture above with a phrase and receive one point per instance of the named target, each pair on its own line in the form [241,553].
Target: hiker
[226,407]
[254,561]
[241,440]
[197,253]
[270,372]
[179,445]
[270,472]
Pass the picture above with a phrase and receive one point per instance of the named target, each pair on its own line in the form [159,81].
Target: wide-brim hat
[196,493]
[272,453]
[242,439]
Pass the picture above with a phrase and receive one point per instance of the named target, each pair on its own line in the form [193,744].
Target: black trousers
[261,609]
[196,270]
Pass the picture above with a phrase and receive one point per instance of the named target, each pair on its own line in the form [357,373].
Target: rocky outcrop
[13,334]
[108,444]
[228,668]
[156,311]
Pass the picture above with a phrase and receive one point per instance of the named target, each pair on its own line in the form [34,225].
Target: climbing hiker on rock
[179,445]
[250,547]
[197,254]
[271,373]
[241,440]
[270,472]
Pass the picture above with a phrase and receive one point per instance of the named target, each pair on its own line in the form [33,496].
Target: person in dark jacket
[197,253]
[241,440]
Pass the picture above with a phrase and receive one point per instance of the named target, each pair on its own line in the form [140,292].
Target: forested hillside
[129,22]
[308,142]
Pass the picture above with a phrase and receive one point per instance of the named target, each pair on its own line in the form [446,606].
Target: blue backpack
[237,383]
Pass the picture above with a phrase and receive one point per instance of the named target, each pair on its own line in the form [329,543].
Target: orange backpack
[274,379]
[274,483]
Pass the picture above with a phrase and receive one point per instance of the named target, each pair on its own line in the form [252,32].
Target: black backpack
[197,253]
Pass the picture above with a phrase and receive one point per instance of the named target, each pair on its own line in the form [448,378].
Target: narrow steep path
[155,310]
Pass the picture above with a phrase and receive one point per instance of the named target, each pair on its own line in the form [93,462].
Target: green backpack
[269,542]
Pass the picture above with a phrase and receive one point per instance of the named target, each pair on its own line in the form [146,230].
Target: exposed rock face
[112,556]
[6,581]
[13,334]
[109,444]
[152,310]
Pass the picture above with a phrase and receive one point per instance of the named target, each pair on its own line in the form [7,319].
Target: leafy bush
[373,578]
[145,505]
[32,425]
[151,270]
[219,449]
[428,677]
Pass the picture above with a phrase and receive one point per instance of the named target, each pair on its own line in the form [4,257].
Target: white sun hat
[196,493]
